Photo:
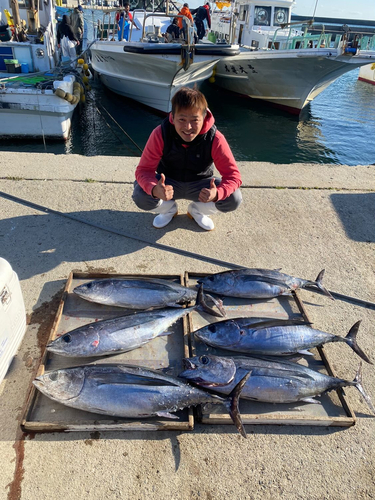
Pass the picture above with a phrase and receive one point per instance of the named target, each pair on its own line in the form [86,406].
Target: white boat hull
[151,79]
[31,113]
[290,79]
[367,73]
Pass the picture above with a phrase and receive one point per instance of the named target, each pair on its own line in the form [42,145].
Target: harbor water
[337,127]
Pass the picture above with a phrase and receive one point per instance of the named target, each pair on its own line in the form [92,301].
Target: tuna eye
[53,376]
[211,278]
[89,285]
[67,338]
[204,360]
[242,332]
[212,328]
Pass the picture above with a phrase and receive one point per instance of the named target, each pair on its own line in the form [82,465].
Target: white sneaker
[166,210]
[200,213]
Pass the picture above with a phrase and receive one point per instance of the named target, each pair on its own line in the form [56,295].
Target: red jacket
[222,156]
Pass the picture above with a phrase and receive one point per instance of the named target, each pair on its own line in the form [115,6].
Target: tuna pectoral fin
[310,400]
[232,405]
[203,306]
[357,382]
[319,284]
[304,352]
[351,340]
[166,414]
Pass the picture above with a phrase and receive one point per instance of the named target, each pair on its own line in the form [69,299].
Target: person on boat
[77,24]
[177,163]
[126,14]
[66,39]
[181,21]
[173,31]
[202,14]
[123,28]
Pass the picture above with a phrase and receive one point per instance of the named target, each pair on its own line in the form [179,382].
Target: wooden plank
[334,409]
[45,415]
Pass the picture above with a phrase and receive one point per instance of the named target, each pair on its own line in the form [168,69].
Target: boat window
[280,16]
[243,12]
[262,15]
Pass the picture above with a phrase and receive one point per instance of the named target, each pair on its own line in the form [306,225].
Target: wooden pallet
[334,409]
[44,415]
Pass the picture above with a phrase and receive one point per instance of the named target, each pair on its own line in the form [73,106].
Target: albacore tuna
[272,337]
[121,334]
[257,283]
[130,391]
[271,381]
[136,293]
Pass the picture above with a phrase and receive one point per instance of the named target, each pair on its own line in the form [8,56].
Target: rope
[119,126]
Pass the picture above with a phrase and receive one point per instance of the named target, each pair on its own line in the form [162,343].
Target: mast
[32,15]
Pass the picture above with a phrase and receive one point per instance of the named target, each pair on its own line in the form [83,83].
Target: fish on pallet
[257,283]
[271,381]
[129,391]
[272,337]
[121,334]
[152,293]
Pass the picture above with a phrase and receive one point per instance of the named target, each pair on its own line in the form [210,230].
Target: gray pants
[186,191]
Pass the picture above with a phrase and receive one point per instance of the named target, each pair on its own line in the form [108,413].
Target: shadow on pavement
[35,244]
[356,212]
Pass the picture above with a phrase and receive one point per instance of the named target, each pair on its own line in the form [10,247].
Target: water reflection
[337,127]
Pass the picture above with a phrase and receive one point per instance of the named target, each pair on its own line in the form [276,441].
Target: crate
[5,34]
[334,409]
[12,65]
[166,352]
[12,316]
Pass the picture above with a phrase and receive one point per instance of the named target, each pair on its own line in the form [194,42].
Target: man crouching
[177,163]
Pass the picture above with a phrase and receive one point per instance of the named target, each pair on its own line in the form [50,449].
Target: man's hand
[210,194]
[162,191]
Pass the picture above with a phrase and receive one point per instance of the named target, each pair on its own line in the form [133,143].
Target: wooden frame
[45,415]
[334,409]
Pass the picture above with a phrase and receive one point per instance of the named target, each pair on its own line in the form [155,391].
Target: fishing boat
[281,62]
[37,97]
[39,105]
[367,73]
[146,68]
[28,36]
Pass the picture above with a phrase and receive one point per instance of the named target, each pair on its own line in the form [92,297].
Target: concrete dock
[301,218]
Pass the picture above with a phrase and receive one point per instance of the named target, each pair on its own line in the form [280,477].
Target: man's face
[127,8]
[188,123]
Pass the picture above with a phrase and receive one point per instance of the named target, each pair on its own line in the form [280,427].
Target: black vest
[186,164]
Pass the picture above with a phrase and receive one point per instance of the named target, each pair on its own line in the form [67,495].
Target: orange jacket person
[181,23]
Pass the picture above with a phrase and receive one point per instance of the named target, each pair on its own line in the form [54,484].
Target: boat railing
[108,29]
[165,15]
[308,35]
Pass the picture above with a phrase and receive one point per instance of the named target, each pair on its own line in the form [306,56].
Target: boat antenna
[316,5]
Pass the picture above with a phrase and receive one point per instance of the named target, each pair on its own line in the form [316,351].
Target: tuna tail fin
[357,382]
[319,284]
[351,340]
[232,405]
[203,306]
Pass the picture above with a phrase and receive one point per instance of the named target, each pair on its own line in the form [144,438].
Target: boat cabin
[253,23]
